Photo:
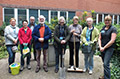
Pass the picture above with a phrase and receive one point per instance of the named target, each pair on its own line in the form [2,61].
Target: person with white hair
[75,30]
[31,25]
[89,38]
[41,34]
[61,37]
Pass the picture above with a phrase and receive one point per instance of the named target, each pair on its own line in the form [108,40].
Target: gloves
[89,43]
[25,44]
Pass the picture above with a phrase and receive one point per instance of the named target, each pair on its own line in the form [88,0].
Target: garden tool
[62,73]
[74,70]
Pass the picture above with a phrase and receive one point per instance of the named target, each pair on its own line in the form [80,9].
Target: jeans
[71,45]
[106,56]
[28,57]
[88,59]
[58,52]
[11,58]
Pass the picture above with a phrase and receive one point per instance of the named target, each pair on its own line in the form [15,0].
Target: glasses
[107,20]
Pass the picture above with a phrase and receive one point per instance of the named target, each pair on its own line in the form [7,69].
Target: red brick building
[23,9]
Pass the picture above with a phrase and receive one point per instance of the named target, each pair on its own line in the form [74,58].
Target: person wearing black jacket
[61,36]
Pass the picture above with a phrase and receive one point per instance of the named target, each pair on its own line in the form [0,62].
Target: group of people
[74,35]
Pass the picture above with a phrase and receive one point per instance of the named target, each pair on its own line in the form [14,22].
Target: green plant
[2,28]
[3,51]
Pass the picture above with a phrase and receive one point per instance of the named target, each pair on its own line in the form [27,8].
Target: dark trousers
[58,52]
[71,48]
[11,58]
[106,56]
[28,57]
[34,50]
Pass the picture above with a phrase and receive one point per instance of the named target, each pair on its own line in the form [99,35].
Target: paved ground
[30,74]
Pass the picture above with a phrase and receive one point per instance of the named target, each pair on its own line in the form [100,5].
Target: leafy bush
[2,29]
[3,51]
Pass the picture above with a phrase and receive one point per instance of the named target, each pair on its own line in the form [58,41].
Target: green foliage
[115,68]
[2,28]
[3,51]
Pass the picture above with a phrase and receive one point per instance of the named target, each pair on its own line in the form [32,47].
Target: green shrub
[3,51]
[2,29]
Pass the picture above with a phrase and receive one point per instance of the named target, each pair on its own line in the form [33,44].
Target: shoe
[77,68]
[9,70]
[45,69]
[72,67]
[56,70]
[102,77]
[84,70]
[28,67]
[21,68]
[90,72]
[37,69]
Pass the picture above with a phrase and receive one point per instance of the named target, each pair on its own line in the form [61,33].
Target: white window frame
[49,16]
[118,19]
[58,14]
[16,15]
[113,19]
[3,15]
[38,13]
[102,17]
[27,15]
[97,17]
[67,16]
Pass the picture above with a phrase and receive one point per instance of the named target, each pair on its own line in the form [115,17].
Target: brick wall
[63,4]
[103,6]
[1,16]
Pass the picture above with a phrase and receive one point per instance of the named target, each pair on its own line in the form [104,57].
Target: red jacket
[24,37]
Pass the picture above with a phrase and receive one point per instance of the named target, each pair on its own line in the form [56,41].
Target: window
[33,12]
[71,15]
[8,13]
[105,15]
[63,14]
[100,18]
[94,18]
[21,16]
[44,13]
[119,19]
[54,14]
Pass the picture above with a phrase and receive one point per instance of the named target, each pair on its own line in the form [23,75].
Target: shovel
[62,74]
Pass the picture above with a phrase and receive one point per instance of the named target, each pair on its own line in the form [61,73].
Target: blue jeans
[106,56]
[28,57]
[11,58]
[88,59]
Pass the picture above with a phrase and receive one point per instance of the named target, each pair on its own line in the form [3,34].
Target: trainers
[72,67]
[77,68]
[90,72]
[21,69]
[84,70]
[28,67]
